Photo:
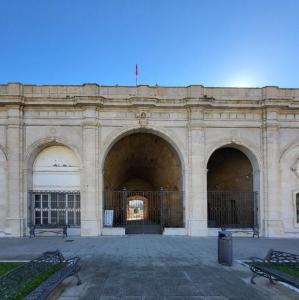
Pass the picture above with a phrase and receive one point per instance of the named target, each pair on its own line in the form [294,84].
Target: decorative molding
[142,117]
[147,96]
[295,168]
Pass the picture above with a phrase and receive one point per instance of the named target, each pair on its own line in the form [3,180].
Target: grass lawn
[31,285]
[7,266]
[287,268]
[283,267]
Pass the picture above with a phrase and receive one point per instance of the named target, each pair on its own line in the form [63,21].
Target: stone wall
[195,121]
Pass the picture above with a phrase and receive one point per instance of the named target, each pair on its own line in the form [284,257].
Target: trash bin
[225,248]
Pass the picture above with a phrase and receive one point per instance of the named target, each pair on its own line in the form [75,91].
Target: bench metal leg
[64,231]
[271,280]
[254,275]
[32,232]
[78,279]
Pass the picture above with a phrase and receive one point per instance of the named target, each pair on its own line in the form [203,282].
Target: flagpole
[136,73]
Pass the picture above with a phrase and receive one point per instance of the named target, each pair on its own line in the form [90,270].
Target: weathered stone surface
[158,267]
[89,119]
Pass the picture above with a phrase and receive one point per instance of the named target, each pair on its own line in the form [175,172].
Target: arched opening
[55,194]
[137,208]
[143,165]
[231,183]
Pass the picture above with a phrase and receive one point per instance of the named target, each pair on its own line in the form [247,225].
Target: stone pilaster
[89,181]
[273,223]
[14,224]
[198,178]
[3,189]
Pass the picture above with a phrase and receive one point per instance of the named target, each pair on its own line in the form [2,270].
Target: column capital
[90,123]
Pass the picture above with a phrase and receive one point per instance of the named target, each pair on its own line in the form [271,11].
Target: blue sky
[214,43]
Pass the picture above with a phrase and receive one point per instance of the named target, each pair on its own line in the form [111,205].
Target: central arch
[146,166]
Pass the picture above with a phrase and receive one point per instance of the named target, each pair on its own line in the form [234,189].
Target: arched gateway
[232,188]
[143,185]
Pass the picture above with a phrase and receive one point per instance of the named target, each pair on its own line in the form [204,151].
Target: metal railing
[151,207]
[232,209]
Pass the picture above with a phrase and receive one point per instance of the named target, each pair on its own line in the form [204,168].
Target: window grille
[55,208]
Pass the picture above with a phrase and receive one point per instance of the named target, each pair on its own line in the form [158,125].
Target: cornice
[146,96]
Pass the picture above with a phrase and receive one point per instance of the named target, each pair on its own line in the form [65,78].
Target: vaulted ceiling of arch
[142,161]
[229,169]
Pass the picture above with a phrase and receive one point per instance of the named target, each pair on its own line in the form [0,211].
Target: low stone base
[89,228]
[236,232]
[113,231]
[274,228]
[198,228]
[175,231]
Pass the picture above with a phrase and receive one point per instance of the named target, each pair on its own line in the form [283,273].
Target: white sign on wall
[108,217]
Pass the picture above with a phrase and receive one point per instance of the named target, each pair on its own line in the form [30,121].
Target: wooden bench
[262,267]
[56,229]
[14,280]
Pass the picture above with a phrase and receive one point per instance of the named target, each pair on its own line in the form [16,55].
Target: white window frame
[73,210]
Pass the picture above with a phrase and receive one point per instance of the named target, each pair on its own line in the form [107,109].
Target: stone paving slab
[157,267]
[183,249]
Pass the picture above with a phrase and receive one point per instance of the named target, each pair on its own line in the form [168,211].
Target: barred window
[56,208]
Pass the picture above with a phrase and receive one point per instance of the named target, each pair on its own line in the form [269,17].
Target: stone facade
[89,119]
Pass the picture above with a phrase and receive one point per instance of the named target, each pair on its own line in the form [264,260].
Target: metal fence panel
[232,209]
[164,208]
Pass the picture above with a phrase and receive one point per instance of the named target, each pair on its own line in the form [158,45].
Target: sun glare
[240,81]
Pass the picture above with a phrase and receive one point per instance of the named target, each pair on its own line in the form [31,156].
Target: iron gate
[143,211]
[232,209]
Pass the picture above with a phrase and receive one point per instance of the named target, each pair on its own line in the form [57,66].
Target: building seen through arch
[115,160]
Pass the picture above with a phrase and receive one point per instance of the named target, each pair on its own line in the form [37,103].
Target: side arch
[287,150]
[289,179]
[245,147]
[35,148]
[237,187]
[49,195]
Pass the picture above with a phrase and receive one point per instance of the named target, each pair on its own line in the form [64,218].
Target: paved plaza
[156,267]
